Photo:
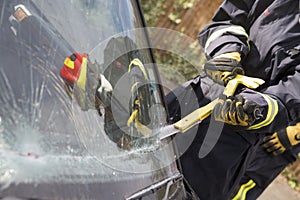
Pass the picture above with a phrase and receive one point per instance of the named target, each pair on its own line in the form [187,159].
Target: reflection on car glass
[70,138]
[126,105]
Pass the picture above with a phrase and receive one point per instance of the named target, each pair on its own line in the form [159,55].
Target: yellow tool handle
[201,113]
[198,115]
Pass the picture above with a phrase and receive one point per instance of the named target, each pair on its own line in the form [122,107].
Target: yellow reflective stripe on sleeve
[272,112]
[241,195]
[237,30]
[138,63]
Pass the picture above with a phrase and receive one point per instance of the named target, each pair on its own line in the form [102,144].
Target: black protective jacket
[267,34]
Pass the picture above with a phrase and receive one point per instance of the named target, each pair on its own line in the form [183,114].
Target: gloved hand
[223,68]
[282,140]
[237,111]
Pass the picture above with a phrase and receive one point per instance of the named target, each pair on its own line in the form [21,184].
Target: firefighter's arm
[282,140]
[225,41]
[228,30]
[279,104]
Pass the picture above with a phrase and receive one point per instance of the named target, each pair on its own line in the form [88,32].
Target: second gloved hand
[237,111]
[223,68]
[282,140]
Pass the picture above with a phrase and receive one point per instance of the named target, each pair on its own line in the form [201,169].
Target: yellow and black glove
[237,111]
[223,68]
[282,140]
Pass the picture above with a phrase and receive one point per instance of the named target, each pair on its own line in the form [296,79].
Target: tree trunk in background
[192,19]
[186,17]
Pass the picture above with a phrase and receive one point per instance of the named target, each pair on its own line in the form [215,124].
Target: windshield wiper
[168,182]
[15,198]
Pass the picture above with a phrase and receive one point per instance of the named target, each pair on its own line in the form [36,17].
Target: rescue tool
[202,113]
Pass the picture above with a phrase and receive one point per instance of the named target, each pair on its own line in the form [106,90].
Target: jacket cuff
[274,114]
[226,44]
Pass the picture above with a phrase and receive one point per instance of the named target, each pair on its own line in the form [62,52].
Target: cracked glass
[66,137]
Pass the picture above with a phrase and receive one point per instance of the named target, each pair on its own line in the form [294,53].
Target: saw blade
[170,130]
[167,131]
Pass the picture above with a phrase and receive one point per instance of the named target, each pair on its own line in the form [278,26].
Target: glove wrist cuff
[294,138]
[232,55]
[284,139]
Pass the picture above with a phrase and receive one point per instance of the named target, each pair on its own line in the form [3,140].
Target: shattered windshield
[79,96]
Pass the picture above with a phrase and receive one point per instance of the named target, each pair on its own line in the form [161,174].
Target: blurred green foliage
[173,67]
[178,7]
[292,180]
[153,9]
